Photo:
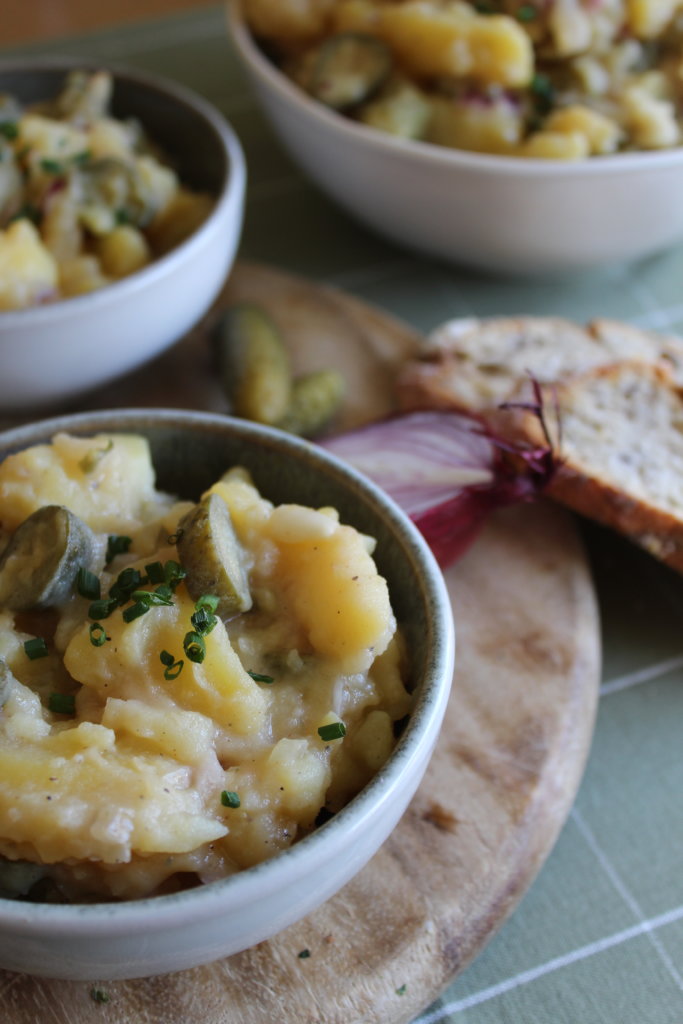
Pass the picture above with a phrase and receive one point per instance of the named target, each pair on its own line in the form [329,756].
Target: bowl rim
[154,913]
[231,192]
[487,164]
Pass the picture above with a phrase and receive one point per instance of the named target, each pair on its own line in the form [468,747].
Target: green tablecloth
[599,936]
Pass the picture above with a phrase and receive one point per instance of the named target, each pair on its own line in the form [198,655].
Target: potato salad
[85,198]
[186,688]
[552,79]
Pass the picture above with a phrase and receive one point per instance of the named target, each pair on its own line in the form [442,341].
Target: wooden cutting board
[501,782]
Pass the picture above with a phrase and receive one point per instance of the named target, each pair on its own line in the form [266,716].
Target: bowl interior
[190,451]
[173,118]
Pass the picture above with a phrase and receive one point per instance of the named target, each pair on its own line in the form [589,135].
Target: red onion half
[446,471]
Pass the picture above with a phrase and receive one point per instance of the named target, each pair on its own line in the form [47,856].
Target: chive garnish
[117,544]
[62,703]
[98,995]
[259,677]
[229,798]
[36,648]
[10,129]
[173,667]
[88,584]
[543,92]
[98,635]
[155,572]
[208,601]
[150,597]
[203,621]
[174,573]
[102,609]
[51,166]
[126,582]
[526,13]
[134,611]
[332,731]
[304,954]
[82,157]
[401,990]
[194,647]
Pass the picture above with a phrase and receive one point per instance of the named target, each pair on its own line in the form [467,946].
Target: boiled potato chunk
[106,480]
[128,665]
[335,589]
[77,795]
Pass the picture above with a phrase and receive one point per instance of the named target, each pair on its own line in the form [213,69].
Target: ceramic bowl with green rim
[55,351]
[163,933]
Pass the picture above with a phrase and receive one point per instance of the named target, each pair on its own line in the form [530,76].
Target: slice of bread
[620,441]
[616,392]
[476,364]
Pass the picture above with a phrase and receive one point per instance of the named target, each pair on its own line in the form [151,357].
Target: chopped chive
[150,597]
[332,731]
[203,621]
[155,572]
[98,995]
[304,954]
[208,601]
[82,157]
[51,166]
[173,573]
[194,647]
[122,216]
[98,635]
[543,92]
[62,703]
[401,990]
[260,677]
[88,584]
[126,582]
[229,798]
[526,13]
[173,667]
[36,648]
[134,611]
[117,544]
[102,609]
[10,129]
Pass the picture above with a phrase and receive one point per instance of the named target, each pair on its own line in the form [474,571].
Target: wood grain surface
[501,782]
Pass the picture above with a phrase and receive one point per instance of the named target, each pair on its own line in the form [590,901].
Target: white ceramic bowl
[490,212]
[54,352]
[167,933]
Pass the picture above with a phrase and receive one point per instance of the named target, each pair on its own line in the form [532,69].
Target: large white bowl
[54,352]
[167,933]
[491,212]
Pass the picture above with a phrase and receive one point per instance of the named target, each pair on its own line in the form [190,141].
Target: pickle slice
[212,557]
[349,69]
[316,398]
[39,565]
[253,364]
